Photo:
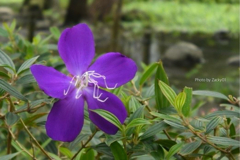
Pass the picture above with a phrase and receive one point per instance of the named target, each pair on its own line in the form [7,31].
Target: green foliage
[161,124]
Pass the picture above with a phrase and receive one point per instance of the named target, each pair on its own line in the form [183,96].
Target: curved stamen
[81,82]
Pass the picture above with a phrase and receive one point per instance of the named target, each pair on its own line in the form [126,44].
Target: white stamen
[81,82]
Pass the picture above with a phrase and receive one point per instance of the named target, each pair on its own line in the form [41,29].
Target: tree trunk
[77,10]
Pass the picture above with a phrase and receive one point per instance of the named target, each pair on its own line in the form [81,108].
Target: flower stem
[84,144]
[34,139]
[24,149]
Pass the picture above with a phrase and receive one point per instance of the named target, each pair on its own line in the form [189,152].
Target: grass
[191,17]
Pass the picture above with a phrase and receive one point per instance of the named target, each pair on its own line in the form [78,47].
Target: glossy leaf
[66,152]
[12,91]
[5,60]
[161,100]
[109,117]
[2,74]
[210,94]
[175,124]
[187,105]
[55,31]
[147,73]
[166,117]
[118,151]
[168,92]
[26,65]
[190,147]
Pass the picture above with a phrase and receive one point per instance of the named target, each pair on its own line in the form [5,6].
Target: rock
[183,54]
[6,14]
[234,61]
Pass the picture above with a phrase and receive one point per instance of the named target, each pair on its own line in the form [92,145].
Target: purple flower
[111,70]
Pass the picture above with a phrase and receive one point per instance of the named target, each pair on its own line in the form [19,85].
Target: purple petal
[113,104]
[117,68]
[65,119]
[51,81]
[76,48]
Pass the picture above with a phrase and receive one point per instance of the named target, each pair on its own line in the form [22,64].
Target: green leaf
[26,79]
[166,117]
[161,100]
[158,154]
[13,25]
[12,91]
[137,114]
[175,124]
[228,114]
[153,130]
[11,118]
[78,140]
[55,31]
[118,151]
[3,32]
[147,73]
[112,138]
[9,156]
[173,150]
[168,92]
[66,152]
[87,154]
[5,60]
[190,147]
[26,65]
[210,94]
[137,122]
[103,148]
[166,142]
[109,117]
[224,141]
[2,74]
[186,107]
[179,101]
[212,124]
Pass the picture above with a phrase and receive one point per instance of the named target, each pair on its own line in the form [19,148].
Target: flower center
[81,82]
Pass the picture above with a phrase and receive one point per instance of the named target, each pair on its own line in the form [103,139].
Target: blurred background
[195,39]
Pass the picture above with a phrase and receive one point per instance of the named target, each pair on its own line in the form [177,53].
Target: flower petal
[113,104]
[117,68]
[76,48]
[65,119]
[51,81]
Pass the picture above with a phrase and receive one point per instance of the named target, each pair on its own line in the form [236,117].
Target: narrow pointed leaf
[153,130]
[166,117]
[12,91]
[161,100]
[9,156]
[109,117]
[88,154]
[173,150]
[228,114]
[3,32]
[147,73]
[26,65]
[5,60]
[168,92]
[187,105]
[137,122]
[210,94]
[179,101]
[212,124]
[26,79]
[224,141]
[190,147]
[118,151]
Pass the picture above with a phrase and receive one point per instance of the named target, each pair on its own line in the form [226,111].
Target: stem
[84,144]
[9,141]
[24,149]
[34,139]
[205,140]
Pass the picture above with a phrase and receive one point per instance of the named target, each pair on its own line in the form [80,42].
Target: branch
[84,144]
